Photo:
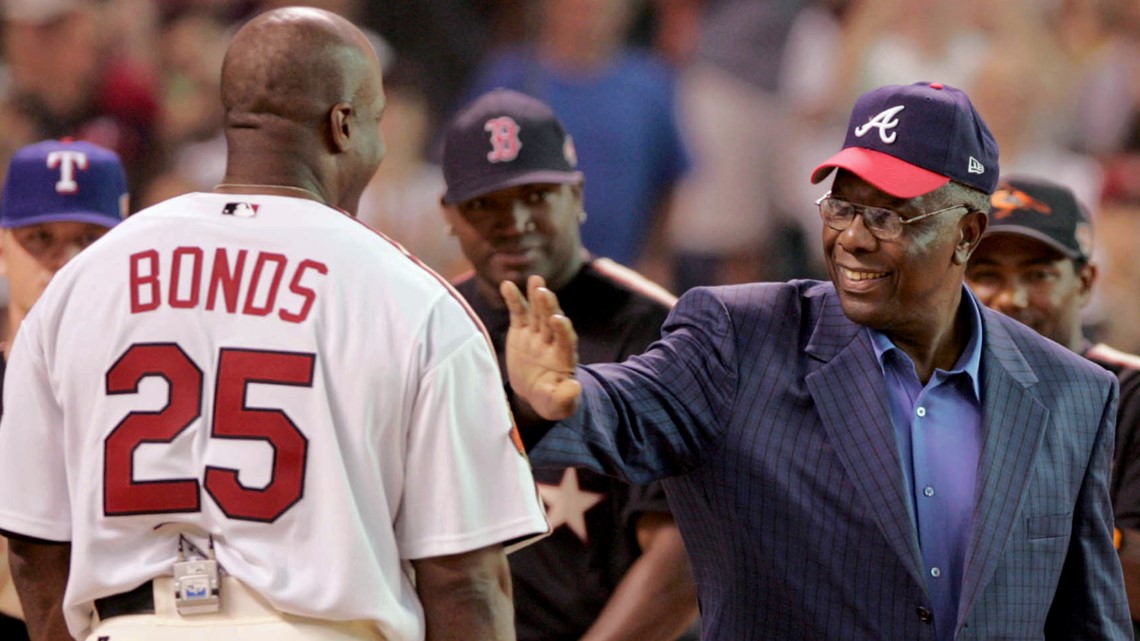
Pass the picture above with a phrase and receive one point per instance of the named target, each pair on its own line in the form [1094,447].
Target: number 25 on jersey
[232,419]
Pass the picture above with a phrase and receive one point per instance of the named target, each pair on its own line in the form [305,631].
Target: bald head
[302,95]
[295,63]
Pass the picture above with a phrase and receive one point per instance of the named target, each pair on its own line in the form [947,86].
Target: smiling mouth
[516,256]
[857,276]
[514,252]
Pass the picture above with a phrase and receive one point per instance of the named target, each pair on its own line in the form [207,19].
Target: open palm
[542,350]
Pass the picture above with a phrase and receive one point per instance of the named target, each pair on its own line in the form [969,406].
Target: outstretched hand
[542,350]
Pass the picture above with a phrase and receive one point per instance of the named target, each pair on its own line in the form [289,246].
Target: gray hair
[975,199]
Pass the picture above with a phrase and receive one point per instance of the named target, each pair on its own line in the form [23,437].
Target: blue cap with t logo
[64,181]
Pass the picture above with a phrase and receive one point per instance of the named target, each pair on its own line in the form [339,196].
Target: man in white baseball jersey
[59,197]
[287,428]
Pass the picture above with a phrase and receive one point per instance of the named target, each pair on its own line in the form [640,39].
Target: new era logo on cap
[505,139]
[908,140]
[64,181]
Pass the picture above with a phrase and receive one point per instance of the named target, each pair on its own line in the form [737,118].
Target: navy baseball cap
[908,140]
[1044,211]
[64,181]
[504,139]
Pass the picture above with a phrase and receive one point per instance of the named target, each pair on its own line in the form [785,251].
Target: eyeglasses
[884,224]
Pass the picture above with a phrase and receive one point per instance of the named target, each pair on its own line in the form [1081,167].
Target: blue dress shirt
[938,429]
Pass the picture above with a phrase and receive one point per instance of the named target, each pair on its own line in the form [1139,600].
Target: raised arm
[542,350]
[467,597]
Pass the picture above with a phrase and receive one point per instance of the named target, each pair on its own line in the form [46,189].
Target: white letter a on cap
[883,122]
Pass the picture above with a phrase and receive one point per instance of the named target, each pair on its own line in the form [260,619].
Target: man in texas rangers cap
[875,457]
[614,566]
[1035,265]
[58,198]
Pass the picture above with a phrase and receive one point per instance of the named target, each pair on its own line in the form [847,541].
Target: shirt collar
[969,363]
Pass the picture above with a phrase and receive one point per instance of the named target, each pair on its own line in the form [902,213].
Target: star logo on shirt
[567,504]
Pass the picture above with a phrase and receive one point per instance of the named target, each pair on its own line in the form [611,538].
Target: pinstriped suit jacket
[768,408]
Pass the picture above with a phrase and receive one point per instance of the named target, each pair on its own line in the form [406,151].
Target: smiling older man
[878,457]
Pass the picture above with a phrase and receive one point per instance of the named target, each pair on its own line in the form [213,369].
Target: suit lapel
[1013,424]
[851,397]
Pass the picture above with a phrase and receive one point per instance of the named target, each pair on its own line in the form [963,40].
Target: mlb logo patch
[241,210]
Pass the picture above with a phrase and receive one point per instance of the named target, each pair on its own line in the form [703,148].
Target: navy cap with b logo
[64,181]
[908,140]
[504,139]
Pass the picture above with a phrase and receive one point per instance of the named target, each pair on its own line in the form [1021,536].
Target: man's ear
[451,217]
[970,230]
[1087,274]
[578,191]
[340,126]
[3,255]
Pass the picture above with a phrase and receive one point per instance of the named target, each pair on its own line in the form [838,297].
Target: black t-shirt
[1125,483]
[562,582]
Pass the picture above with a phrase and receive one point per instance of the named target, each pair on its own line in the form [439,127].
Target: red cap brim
[896,177]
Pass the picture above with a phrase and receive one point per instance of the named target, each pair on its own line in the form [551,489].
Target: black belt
[138,601]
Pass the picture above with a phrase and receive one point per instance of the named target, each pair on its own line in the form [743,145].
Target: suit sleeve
[657,414]
[1090,602]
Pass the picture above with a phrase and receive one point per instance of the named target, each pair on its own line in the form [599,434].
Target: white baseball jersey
[269,371]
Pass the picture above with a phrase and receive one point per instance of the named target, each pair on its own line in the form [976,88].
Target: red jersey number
[232,419]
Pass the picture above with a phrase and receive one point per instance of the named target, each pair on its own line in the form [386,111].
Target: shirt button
[924,614]
[920,411]
[928,491]
[935,572]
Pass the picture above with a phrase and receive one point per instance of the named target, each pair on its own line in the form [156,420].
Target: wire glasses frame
[884,224]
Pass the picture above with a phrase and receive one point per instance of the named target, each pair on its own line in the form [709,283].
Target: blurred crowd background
[710,188]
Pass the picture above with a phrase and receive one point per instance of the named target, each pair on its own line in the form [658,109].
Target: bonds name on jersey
[285,380]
